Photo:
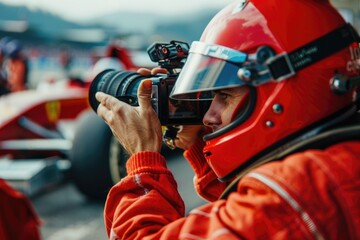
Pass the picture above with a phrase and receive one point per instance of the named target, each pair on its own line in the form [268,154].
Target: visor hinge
[256,71]
[246,74]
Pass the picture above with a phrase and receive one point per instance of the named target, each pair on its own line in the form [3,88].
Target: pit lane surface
[66,214]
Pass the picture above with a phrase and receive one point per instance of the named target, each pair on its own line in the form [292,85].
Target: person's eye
[223,95]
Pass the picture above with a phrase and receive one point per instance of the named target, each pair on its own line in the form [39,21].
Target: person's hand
[187,136]
[137,128]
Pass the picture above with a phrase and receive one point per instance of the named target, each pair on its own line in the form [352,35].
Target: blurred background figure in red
[115,50]
[18,218]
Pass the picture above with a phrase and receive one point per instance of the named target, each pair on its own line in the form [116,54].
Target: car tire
[97,159]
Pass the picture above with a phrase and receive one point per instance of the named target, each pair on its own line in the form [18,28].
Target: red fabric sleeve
[206,182]
[149,188]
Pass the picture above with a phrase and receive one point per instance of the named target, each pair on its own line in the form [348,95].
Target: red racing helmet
[296,57]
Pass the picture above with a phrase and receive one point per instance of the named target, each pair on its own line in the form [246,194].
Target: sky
[81,10]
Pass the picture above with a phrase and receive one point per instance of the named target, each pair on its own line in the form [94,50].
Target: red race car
[46,135]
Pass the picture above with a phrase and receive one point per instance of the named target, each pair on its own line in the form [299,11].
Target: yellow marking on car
[53,110]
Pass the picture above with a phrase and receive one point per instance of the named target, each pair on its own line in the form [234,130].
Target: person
[115,50]
[17,66]
[18,218]
[65,60]
[278,155]
[3,75]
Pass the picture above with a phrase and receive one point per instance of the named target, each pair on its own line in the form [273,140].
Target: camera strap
[285,65]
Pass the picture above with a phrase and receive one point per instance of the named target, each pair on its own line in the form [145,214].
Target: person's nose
[212,117]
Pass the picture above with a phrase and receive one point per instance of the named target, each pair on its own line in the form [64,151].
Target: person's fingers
[144,94]
[147,72]
[158,70]
[137,128]
[105,99]
[144,71]
[107,105]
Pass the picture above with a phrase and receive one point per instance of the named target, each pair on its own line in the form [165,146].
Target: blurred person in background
[278,155]
[3,75]
[115,57]
[17,66]
[18,220]
[110,59]
[115,50]
[66,61]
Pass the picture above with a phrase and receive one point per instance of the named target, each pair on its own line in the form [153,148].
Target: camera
[123,85]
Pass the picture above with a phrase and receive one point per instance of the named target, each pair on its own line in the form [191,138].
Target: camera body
[123,85]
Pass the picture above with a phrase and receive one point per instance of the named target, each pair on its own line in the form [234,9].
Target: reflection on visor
[202,74]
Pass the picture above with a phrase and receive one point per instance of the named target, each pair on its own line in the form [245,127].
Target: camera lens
[120,84]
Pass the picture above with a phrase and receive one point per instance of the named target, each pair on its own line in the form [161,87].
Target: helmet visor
[209,67]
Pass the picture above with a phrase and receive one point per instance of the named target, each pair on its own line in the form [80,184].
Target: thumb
[144,93]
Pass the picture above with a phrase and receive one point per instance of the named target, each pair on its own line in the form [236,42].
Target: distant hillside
[44,22]
[47,27]
[186,27]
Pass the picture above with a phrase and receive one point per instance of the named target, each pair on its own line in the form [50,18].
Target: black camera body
[124,84]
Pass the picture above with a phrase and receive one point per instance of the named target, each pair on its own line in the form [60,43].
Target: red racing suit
[314,194]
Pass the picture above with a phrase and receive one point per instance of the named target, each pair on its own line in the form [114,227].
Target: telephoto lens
[120,84]
[124,85]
